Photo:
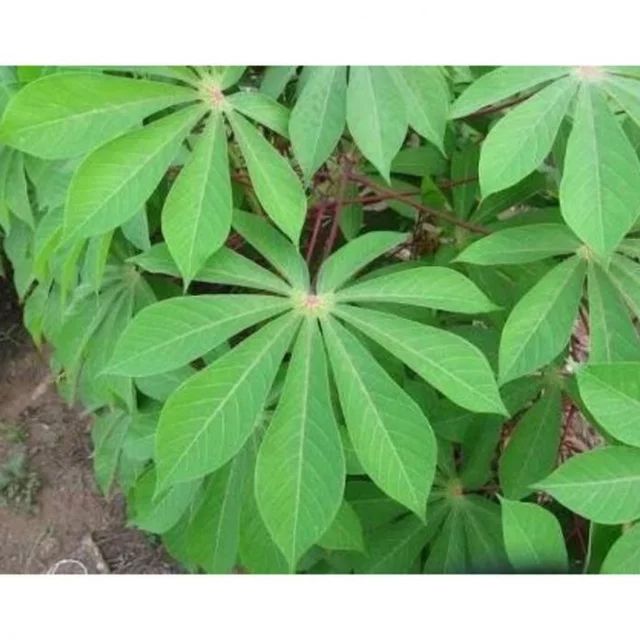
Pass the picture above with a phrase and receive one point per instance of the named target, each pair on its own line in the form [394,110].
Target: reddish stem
[315,231]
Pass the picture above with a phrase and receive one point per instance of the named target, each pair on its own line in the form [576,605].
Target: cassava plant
[342,319]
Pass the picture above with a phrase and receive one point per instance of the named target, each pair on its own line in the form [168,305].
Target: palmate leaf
[602,485]
[68,114]
[206,421]
[173,332]
[452,365]
[520,245]
[392,438]
[196,217]
[533,538]
[299,480]
[433,287]
[540,324]
[611,392]
[114,181]
[520,141]
[600,187]
[274,181]
[376,115]
[318,117]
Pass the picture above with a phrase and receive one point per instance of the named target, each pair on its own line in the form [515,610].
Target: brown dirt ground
[65,525]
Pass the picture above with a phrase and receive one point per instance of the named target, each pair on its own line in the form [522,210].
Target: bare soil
[52,517]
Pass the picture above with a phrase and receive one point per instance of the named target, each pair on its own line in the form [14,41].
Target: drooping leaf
[452,365]
[299,480]
[532,449]
[275,183]
[520,141]
[205,422]
[318,117]
[68,114]
[391,436]
[376,115]
[173,332]
[533,538]
[113,182]
[611,392]
[600,187]
[433,287]
[540,324]
[196,216]
[602,485]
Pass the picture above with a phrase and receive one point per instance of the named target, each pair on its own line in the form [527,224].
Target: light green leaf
[274,181]
[533,538]
[625,274]
[600,188]
[269,242]
[107,435]
[345,532]
[196,216]
[426,98]
[612,335]
[602,485]
[520,245]
[392,438]
[205,422]
[173,332]
[263,109]
[300,471]
[501,83]
[344,263]
[376,115]
[446,361]
[518,144]
[275,79]
[114,181]
[611,392]
[539,326]
[624,555]
[432,287]
[318,117]
[68,114]
[532,449]
[626,93]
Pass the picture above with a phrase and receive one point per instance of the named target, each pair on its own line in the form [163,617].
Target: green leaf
[274,181]
[344,263]
[501,83]
[602,485]
[532,449]
[625,274]
[205,422]
[533,538]
[426,98]
[16,190]
[391,436]
[114,181]
[274,247]
[600,187]
[520,245]
[345,532]
[299,480]
[318,117]
[372,506]
[261,108]
[275,79]
[432,287]
[518,144]
[452,365]
[196,216]
[539,326]
[624,555]
[612,335]
[107,435]
[214,532]
[173,332]
[626,93]
[448,551]
[160,514]
[376,115]
[464,167]
[68,114]
[611,392]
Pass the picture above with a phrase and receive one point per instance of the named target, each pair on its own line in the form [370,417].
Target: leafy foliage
[342,320]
